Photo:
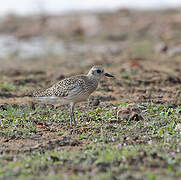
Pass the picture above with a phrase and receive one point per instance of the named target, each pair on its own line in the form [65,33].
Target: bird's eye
[98,71]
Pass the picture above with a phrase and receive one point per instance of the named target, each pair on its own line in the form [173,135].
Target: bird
[72,90]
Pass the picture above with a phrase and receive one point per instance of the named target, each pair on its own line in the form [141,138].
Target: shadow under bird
[72,90]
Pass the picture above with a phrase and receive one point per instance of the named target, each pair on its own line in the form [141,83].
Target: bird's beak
[108,75]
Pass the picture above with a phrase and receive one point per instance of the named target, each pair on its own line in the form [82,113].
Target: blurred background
[42,41]
[138,41]
[25,7]
[33,28]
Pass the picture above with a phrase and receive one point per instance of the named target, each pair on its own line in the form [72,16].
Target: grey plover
[72,90]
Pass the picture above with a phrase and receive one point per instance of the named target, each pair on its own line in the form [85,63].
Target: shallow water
[36,46]
[40,46]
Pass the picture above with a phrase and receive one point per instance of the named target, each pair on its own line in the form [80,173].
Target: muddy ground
[142,50]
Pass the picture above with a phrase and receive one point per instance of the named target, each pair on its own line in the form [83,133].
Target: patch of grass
[17,121]
[94,161]
[5,86]
[142,49]
[150,148]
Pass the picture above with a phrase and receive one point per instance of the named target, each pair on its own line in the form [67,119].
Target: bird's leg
[72,117]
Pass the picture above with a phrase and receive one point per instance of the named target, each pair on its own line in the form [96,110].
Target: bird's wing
[74,92]
[68,88]
[61,92]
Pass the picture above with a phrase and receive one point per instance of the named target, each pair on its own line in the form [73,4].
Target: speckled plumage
[72,90]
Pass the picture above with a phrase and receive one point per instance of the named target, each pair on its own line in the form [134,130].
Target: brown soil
[144,70]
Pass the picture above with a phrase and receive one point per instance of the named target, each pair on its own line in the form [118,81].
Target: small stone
[130,112]
[96,102]
[3,107]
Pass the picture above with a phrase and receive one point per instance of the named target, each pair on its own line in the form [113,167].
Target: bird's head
[97,72]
